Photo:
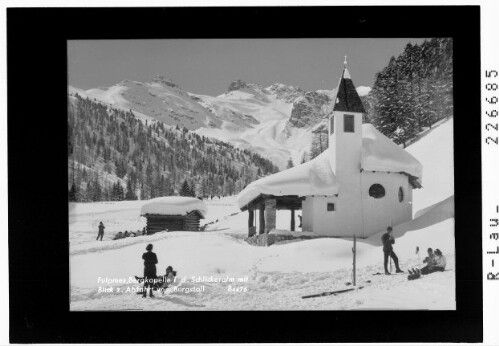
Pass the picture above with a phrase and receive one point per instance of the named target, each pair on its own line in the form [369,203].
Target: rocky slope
[275,121]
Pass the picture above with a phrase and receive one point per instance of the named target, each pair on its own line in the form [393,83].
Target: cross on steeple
[345,62]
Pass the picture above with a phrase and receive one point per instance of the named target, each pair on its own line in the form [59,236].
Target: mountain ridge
[275,121]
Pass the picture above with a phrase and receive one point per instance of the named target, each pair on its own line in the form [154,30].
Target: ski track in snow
[279,275]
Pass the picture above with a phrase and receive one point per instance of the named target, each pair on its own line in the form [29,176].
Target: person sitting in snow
[119,235]
[430,260]
[168,278]
[138,233]
[388,240]
[440,261]
[144,231]
[126,235]
[437,264]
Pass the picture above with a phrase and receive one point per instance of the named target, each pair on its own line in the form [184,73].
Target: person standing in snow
[388,240]
[150,261]
[101,231]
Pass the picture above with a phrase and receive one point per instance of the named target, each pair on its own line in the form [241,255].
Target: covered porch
[267,205]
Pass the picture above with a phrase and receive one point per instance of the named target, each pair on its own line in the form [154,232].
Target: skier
[150,261]
[300,217]
[388,240]
[101,231]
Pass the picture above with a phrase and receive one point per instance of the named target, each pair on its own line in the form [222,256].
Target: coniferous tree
[319,141]
[192,189]
[413,91]
[72,193]
[304,157]
[130,193]
[117,144]
[185,190]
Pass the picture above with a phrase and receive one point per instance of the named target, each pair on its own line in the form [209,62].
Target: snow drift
[379,153]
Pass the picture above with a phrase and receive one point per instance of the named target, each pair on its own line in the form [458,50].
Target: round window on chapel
[376,191]
[401,194]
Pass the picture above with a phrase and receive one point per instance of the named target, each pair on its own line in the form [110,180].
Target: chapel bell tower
[345,128]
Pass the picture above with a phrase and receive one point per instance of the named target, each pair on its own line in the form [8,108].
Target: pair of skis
[331,293]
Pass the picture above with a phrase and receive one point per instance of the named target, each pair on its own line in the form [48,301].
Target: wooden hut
[173,214]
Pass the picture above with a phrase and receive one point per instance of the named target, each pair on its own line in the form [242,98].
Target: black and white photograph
[261,174]
[252,174]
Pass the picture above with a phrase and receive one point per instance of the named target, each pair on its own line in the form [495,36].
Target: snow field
[277,276]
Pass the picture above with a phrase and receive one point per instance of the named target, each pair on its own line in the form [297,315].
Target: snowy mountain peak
[237,85]
[288,93]
[166,81]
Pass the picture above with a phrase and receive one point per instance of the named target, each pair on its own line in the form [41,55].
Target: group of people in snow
[120,235]
[150,279]
[127,234]
[434,262]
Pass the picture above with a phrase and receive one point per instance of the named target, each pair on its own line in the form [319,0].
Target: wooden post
[250,223]
[354,258]
[262,219]
[292,220]
[270,214]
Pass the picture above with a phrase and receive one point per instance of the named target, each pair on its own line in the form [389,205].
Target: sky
[208,66]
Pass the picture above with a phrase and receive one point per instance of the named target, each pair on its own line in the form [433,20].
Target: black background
[37,172]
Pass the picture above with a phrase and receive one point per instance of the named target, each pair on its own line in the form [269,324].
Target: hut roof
[174,205]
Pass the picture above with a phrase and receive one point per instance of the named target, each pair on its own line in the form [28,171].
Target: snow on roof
[310,178]
[174,205]
[379,153]
[316,177]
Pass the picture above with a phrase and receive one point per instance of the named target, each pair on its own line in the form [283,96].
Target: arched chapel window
[376,191]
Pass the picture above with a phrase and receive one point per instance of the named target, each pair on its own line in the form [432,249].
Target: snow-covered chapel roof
[174,205]
[316,177]
[310,178]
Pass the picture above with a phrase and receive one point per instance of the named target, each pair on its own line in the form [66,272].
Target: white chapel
[357,187]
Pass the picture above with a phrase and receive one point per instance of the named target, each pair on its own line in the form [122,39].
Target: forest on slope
[112,155]
[410,94]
